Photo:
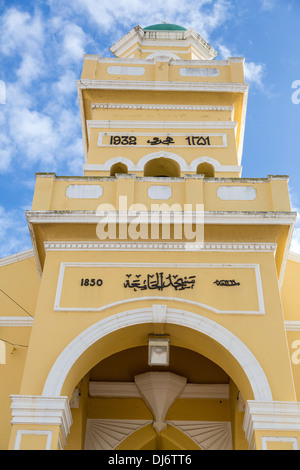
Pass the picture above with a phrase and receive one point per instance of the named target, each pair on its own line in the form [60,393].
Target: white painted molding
[294,257]
[130,390]
[97,124]
[245,358]
[159,390]
[255,267]
[271,416]
[24,432]
[292,440]
[42,410]
[16,257]
[220,217]
[158,246]
[161,107]
[291,325]
[159,313]
[218,87]
[16,321]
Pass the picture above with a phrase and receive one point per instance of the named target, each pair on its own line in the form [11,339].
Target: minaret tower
[165,332]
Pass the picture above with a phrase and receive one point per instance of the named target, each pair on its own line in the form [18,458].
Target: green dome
[165,27]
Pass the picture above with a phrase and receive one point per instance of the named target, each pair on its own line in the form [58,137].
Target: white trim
[256,267]
[294,257]
[266,439]
[16,321]
[221,217]
[217,87]
[16,257]
[25,432]
[65,361]
[97,124]
[161,107]
[139,167]
[271,416]
[292,325]
[159,246]
[42,410]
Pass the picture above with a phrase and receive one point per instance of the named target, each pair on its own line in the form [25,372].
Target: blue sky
[41,49]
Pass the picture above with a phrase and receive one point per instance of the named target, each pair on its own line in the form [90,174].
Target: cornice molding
[271,416]
[220,217]
[161,107]
[87,84]
[157,246]
[294,257]
[43,411]
[15,322]
[16,257]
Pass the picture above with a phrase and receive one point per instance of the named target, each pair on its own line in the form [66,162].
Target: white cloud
[74,42]
[254,73]
[20,32]
[30,69]
[268,5]
[203,15]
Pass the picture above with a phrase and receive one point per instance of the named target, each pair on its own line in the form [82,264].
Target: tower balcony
[87,193]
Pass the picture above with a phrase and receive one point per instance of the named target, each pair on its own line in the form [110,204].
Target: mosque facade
[158,306]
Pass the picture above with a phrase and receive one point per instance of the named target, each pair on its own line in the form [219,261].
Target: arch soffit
[239,351]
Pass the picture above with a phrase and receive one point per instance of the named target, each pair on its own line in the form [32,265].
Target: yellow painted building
[158,306]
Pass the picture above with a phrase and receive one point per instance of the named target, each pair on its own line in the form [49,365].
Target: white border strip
[15,321]
[157,246]
[16,257]
[256,267]
[22,432]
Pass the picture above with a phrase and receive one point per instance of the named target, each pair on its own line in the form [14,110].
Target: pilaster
[272,425]
[39,423]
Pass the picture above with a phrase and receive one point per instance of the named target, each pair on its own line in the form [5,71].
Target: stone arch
[239,351]
[172,157]
[208,160]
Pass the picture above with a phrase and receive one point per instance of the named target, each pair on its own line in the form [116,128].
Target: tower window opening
[162,167]
[206,169]
[118,168]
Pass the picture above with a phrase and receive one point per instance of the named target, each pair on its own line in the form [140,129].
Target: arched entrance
[187,330]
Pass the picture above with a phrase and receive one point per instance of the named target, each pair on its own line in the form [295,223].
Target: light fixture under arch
[65,361]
